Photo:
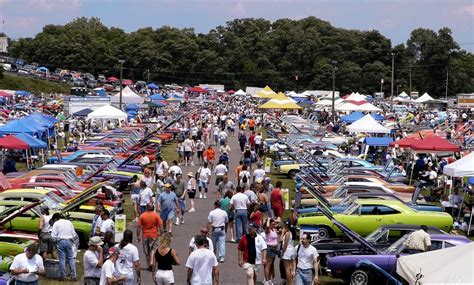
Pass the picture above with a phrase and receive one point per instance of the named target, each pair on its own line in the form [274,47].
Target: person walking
[202,264]
[108,224]
[239,203]
[97,221]
[242,141]
[93,260]
[161,167]
[129,260]
[168,202]
[204,231]
[27,266]
[270,235]
[288,252]
[150,226]
[179,189]
[306,265]
[220,170]
[64,234]
[217,219]
[108,274]
[252,253]
[224,186]
[162,261]
[204,176]
[225,205]
[146,196]
[209,156]
[191,190]
[46,243]
[276,199]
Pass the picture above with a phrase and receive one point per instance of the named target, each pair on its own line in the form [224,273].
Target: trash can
[51,266]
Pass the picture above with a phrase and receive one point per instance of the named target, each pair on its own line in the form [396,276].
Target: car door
[390,215]
[28,221]
[370,219]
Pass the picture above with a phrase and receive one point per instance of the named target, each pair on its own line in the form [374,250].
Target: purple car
[343,263]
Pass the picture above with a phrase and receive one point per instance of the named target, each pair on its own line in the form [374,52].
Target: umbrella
[112,79]
[197,89]
[157,97]
[127,82]
[22,93]
[153,86]
[231,92]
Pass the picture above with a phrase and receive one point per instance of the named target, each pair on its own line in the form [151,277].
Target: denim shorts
[167,214]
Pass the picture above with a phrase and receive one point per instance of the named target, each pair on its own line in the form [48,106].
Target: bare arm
[190,274]
[285,244]
[215,275]
[241,258]
[175,257]
[138,269]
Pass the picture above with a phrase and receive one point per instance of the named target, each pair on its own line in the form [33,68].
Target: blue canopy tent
[100,92]
[132,107]
[22,93]
[157,97]
[31,140]
[83,112]
[351,118]
[159,103]
[19,126]
[153,86]
[42,68]
[45,121]
[376,141]
[470,180]
[378,117]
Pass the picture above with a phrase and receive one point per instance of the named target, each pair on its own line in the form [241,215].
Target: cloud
[26,22]
[465,10]
[53,5]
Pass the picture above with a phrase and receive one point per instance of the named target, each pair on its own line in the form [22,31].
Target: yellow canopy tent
[280,101]
[266,92]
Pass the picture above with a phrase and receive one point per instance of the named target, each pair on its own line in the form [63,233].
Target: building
[465,100]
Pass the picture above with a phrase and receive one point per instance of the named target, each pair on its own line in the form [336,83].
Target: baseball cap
[95,241]
[167,185]
[114,250]
[253,225]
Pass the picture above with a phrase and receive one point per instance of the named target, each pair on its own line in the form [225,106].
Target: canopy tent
[112,79]
[158,103]
[240,92]
[356,97]
[197,89]
[19,126]
[367,124]
[404,143]
[280,101]
[383,141]
[32,141]
[157,97]
[350,105]
[428,268]
[303,101]
[22,93]
[83,112]
[100,91]
[43,119]
[424,98]
[5,94]
[230,92]
[463,167]
[128,97]
[352,117]
[403,95]
[130,107]
[434,144]
[12,142]
[107,112]
[152,86]
[378,117]
[127,82]
[266,92]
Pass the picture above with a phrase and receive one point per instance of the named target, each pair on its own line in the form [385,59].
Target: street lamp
[121,61]
[333,91]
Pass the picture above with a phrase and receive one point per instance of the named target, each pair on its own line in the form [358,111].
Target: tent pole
[27,162]
[470,220]
[462,202]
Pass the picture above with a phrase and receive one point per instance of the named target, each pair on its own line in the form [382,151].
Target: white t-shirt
[259,174]
[306,256]
[176,169]
[107,226]
[202,261]
[161,168]
[258,139]
[145,160]
[33,265]
[193,244]
[240,201]
[204,174]
[217,217]
[222,135]
[188,145]
[128,255]
[91,259]
[260,245]
[145,196]
[220,170]
[108,271]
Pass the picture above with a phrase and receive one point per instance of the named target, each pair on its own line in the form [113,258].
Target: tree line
[285,54]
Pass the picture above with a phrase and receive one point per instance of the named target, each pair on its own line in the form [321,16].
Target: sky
[395,19]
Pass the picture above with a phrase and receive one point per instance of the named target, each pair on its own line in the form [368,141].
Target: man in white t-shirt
[108,224]
[258,174]
[220,170]
[188,145]
[239,203]
[108,273]
[28,265]
[128,262]
[175,169]
[216,221]
[222,137]
[204,233]
[204,175]
[202,265]
[161,167]
[306,262]
[144,160]
[93,260]
[146,196]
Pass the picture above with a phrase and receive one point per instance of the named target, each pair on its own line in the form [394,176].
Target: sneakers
[200,195]
[182,221]
[177,222]
[221,260]
[192,210]
[192,163]
[205,196]
[232,240]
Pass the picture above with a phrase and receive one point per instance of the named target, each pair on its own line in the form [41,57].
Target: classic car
[71,184]
[343,264]
[364,216]
[337,181]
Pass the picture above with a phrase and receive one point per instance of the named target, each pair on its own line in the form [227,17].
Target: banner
[120,225]
[268,165]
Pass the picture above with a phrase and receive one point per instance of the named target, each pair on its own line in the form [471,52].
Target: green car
[365,216]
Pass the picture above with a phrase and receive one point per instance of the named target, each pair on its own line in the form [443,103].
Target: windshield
[340,192]
[375,235]
[348,200]
[352,209]
[398,246]
[53,201]
[65,191]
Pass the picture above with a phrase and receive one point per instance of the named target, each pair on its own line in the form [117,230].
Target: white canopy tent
[107,113]
[367,124]
[463,167]
[356,97]
[424,98]
[240,92]
[128,97]
[452,265]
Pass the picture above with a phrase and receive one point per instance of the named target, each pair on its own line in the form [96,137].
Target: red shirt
[256,217]
[150,221]
[275,198]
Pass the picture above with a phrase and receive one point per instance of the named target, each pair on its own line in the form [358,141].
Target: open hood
[82,197]
[13,212]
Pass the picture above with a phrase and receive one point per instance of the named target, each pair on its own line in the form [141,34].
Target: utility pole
[398,86]
[333,91]
[410,83]
[447,81]
[148,72]
[391,83]
[121,61]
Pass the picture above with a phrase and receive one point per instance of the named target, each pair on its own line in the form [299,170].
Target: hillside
[13,82]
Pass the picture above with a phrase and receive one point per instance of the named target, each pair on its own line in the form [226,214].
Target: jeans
[240,223]
[304,276]
[65,253]
[218,240]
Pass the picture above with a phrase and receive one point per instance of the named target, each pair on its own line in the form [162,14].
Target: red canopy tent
[4,184]
[112,79]
[12,142]
[197,89]
[231,92]
[404,143]
[5,94]
[435,144]
[127,82]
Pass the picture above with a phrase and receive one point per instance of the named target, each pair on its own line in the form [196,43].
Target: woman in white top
[191,190]
[288,251]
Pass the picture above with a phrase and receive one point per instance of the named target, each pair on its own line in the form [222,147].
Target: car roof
[25,191]
[362,183]
[378,202]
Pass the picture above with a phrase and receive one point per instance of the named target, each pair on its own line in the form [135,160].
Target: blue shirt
[168,200]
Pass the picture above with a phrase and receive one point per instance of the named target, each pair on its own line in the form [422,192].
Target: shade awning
[12,142]
[83,112]
[434,143]
[32,141]
[463,167]
[384,141]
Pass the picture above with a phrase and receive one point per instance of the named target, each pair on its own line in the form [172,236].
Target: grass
[12,82]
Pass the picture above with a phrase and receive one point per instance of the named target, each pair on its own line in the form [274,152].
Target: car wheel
[360,277]
[324,233]
[292,174]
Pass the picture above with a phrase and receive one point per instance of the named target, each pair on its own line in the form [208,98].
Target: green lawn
[12,82]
